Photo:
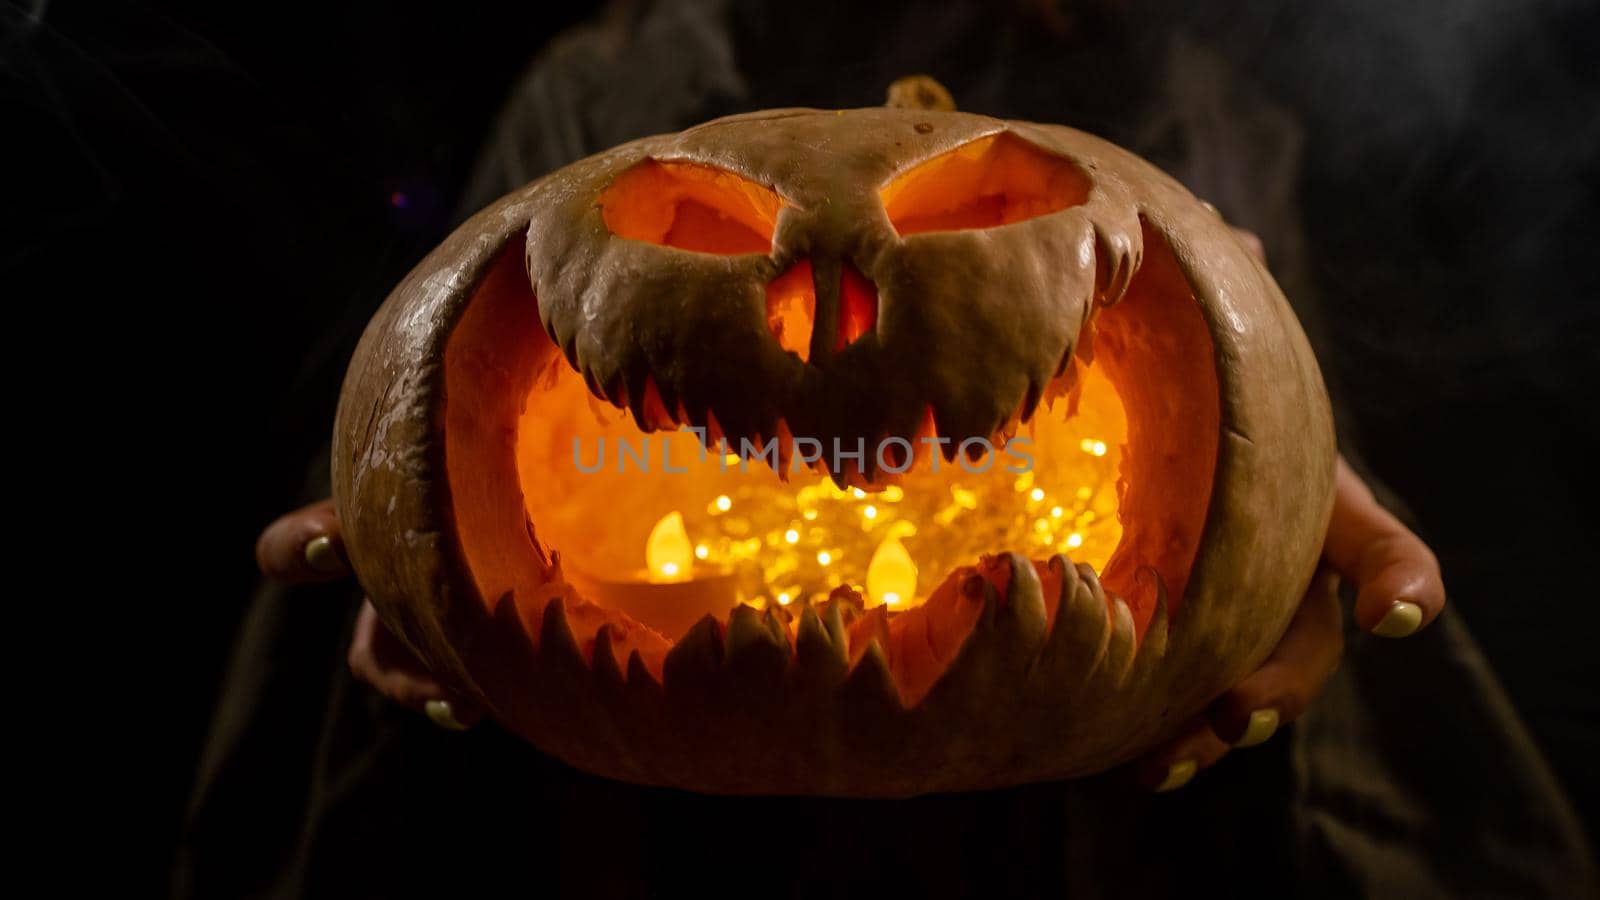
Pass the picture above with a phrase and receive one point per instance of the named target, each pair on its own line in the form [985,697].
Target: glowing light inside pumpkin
[668,553]
[692,207]
[802,539]
[991,181]
[892,575]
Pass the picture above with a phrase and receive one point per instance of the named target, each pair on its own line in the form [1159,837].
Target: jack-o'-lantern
[867,452]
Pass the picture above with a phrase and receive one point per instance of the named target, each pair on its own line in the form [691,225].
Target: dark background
[227,190]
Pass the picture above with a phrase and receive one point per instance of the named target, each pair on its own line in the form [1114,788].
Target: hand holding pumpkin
[1400,592]
[304,547]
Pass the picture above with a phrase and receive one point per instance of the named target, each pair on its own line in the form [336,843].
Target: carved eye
[692,207]
[992,181]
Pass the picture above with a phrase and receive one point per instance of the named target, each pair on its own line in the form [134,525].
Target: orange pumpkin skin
[1056,675]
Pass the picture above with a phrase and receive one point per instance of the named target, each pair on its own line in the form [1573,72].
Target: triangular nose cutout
[858,306]
[792,314]
[792,309]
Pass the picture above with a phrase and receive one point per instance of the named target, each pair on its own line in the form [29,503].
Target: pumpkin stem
[920,92]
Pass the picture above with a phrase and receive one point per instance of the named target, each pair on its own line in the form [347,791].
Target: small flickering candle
[672,592]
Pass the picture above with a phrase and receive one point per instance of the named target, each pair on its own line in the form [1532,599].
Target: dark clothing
[1410,777]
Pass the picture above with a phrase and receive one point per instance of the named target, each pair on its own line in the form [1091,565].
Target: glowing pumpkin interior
[654,531]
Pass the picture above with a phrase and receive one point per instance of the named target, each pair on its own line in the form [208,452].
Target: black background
[224,191]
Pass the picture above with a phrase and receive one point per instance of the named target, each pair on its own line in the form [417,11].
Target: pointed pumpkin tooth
[756,659]
[871,678]
[833,620]
[604,659]
[821,659]
[748,635]
[776,620]
[1067,573]
[1077,643]
[1118,249]
[744,626]
[872,628]
[555,635]
[1024,610]
[1153,645]
[1123,643]
[508,654]
[509,618]
[569,349]
[640,677]
[694,660]
[812,635]
[634,380]
[1030,401]
[1057,579]
[1091,580]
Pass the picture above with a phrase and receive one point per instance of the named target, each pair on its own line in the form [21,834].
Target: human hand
[305,547]
[1400,591]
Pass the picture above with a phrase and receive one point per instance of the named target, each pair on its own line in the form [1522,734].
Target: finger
[382,661]
[1175,763]
[1400,588]
[303,547]
[1292,677]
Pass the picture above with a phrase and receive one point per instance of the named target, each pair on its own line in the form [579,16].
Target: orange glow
[991,181]
[858,306]
[807,537]
[891,575]
[691,207]
[791,308]
[667,551]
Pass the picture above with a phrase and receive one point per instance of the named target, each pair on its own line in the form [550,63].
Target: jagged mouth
[671,525]
[643,532]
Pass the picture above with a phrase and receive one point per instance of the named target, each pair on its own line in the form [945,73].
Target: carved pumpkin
[941,290]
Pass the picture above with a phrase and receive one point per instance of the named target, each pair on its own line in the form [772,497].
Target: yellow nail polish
[443,715]
[1263,725]
[1178,775]
[1402,620]
[323,556]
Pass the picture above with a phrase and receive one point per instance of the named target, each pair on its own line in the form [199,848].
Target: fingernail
[443,715]
[1402,620]
[323,556]
[1178,775]
[1263,724]
[1214,211]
